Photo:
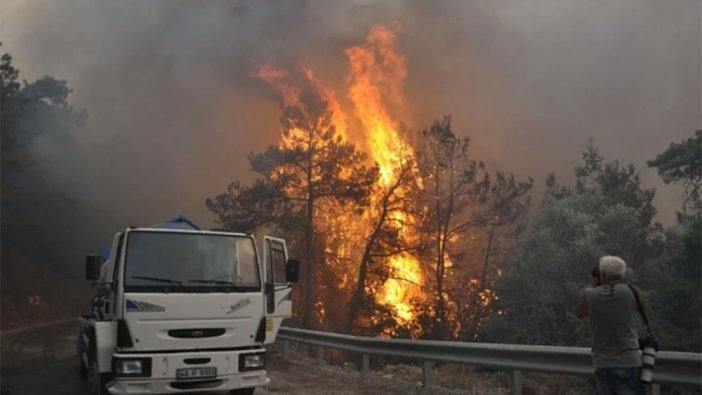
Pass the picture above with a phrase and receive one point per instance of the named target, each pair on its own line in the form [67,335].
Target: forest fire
[291,94]
[388,210]
[377,72]
[452,176]
[375,76]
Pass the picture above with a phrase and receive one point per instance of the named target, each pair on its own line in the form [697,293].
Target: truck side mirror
[292,270]
[92,267]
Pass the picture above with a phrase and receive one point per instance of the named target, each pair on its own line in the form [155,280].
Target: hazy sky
[172,113]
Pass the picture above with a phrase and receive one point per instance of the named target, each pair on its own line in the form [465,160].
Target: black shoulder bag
[648,344]
[648,339]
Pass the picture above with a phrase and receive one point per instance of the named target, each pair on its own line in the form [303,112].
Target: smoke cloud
[173,111]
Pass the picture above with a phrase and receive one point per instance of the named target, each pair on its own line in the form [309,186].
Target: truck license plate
[195,373]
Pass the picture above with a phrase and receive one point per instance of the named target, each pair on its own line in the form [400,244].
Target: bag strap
[640,308]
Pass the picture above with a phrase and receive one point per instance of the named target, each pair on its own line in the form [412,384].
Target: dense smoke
[173,111]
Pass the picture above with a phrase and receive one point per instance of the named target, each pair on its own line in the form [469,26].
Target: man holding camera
[612,307]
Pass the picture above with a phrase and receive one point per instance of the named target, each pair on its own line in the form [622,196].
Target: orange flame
[329,96]
[291,91]
[376,75]
[278,78]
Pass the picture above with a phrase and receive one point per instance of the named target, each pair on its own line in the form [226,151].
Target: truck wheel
[83,371]
[243,391]
[98,381]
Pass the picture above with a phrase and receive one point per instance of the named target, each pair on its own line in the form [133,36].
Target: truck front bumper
[163,374]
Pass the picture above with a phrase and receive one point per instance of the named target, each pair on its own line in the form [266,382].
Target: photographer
[612,308]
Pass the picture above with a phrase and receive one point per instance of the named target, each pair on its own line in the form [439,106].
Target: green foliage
[676,311]
[676,299]
[34,209]
[30,111]
[676,302]
[682,163]
[15,108]
[607,213]
[691,264]
[8,77]
[245,208]
[617,185]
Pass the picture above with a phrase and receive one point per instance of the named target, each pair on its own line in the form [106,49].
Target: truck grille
[190,385]
[196,333]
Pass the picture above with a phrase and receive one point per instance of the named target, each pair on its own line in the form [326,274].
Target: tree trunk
[357,296]
[309,277]
[439,303]
[478,305]
[443,223]
[310,310]
[363,272]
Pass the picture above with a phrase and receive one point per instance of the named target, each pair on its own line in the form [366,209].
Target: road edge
[15,331]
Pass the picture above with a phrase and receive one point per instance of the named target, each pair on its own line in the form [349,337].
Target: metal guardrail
[681,368]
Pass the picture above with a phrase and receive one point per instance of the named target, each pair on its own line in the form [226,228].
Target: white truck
[182,310]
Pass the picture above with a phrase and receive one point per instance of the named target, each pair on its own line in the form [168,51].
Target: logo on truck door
[138,307]
[236,306]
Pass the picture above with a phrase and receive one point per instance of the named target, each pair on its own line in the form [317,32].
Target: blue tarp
[179,222]
[105,252]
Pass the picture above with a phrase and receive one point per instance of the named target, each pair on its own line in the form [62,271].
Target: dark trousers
[619,381]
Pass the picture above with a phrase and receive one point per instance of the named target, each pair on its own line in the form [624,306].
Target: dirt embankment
[32,294]
[339,375]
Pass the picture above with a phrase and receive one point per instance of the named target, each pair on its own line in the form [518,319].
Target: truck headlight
[129,366]
[252,361]
[132,367]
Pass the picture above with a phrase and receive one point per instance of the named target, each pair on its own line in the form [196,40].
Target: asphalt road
[42,361]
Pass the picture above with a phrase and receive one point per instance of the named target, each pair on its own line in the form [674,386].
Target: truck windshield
[189,262]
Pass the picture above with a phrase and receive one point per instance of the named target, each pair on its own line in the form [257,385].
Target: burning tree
[312,165]
[393,239]
[390,210]
[466,213]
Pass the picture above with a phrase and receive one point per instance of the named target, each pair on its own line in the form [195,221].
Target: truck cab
[182,310]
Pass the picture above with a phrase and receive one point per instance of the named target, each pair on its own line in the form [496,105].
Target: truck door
[278,292]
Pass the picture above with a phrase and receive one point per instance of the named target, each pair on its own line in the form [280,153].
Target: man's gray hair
[613,267]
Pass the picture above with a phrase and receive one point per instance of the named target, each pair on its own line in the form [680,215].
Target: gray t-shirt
[613,322]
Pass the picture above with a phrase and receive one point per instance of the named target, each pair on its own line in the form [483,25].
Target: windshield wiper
[163,280]
[218,282]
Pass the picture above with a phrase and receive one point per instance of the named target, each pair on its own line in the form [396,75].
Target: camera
[595,272]
[648,346]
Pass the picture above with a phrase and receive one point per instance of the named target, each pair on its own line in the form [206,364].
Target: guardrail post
[516,382]
[320,355]
[426,374]
[678,368]
[286,350]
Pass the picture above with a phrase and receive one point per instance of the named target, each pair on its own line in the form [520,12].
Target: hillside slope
[32,294]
